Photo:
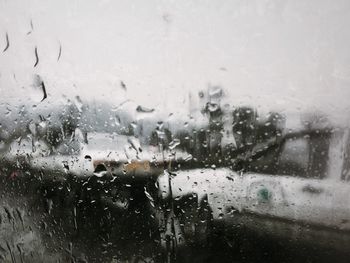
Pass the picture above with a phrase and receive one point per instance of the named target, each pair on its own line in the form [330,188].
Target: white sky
[284,54]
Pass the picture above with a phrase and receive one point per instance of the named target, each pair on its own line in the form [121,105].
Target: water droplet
[88,158]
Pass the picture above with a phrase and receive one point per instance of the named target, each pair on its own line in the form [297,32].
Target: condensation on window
[168,131]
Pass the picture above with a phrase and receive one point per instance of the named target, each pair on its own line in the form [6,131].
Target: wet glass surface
[165,131]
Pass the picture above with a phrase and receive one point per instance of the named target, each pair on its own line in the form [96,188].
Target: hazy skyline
[277,54]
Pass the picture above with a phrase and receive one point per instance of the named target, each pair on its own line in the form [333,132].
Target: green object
[264,194]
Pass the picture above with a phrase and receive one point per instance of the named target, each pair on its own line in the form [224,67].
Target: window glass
[295,157]
[174,131]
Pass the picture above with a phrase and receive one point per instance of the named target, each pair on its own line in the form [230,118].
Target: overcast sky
[284,54]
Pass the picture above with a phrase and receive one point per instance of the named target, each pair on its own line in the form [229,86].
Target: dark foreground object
[46,219]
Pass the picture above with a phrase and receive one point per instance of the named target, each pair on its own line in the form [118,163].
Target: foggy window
[174,131]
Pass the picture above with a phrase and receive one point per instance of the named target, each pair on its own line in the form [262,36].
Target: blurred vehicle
[293,189]
[235,173]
